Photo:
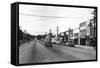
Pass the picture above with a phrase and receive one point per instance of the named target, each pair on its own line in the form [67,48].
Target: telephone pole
[50,31]
[57,30]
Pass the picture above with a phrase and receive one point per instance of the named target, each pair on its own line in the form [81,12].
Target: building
[88,34]
[92,32]
[76,35]
[64,36]
[82,33]
[70,35]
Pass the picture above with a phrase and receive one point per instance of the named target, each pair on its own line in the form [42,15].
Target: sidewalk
[84,46]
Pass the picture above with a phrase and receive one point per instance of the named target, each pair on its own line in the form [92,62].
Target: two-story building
[76,35]
[82,33]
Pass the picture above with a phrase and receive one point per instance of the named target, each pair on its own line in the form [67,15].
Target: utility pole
[57,30]
[95,24]
[79,37]
[94,28]
[69,34]
[50,37]
[50,31]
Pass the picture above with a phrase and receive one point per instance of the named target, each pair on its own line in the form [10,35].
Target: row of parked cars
[50,41]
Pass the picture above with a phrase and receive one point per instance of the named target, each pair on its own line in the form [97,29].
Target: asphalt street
[37,52]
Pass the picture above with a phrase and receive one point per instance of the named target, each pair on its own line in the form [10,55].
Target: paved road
[36,52]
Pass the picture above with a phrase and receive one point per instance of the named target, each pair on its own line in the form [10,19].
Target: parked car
[70,43]
[48,42]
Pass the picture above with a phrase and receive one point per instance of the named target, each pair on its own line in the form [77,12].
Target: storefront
[76,38]
[82,41]
[83,37]
[88,40]
[76,41]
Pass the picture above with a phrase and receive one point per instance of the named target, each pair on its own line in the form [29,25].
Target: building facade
[92,32]
[76,35]
[70,35]
[82,33]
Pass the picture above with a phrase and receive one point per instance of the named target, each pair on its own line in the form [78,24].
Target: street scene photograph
[56,34]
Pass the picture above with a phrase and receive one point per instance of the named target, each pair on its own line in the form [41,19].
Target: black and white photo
[48,34]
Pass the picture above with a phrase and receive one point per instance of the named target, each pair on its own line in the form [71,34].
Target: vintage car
[70,43]
[48,42]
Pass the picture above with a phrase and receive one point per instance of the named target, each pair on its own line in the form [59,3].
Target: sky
[36,19]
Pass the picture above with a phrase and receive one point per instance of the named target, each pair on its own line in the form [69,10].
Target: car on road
[48,42]
[70,43]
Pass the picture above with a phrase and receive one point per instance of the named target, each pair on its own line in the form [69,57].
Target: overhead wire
[50,16]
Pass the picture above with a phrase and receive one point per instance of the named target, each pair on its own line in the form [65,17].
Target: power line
[50,16]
